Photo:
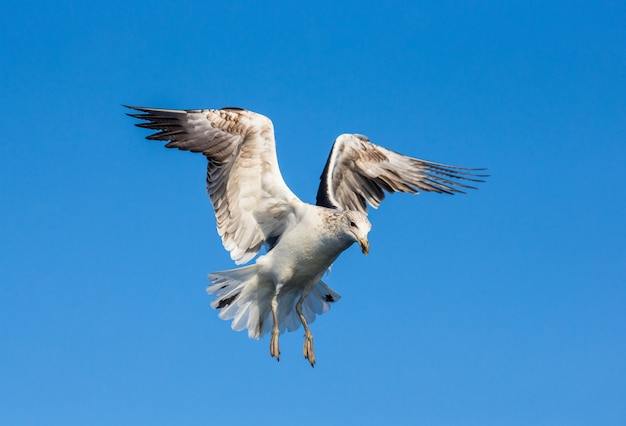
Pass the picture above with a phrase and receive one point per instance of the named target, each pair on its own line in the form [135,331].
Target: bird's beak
[365,245]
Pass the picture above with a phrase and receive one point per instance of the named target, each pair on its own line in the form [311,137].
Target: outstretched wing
[252,203]
[358,171]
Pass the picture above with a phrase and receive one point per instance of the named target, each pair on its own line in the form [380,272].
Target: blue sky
[501,307]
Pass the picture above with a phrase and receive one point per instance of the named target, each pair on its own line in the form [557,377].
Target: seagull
[255,209]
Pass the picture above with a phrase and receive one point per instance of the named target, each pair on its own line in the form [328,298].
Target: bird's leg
[274,348]
[309,353]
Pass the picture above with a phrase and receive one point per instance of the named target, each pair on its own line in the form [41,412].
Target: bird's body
[254,207]
[288,274]
[303,256]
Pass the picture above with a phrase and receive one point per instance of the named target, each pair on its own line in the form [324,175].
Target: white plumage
[254,208]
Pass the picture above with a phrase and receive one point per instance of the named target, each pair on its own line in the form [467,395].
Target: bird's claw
[274,347]
[309,353]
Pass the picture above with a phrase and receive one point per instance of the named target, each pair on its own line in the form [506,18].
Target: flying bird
[254,208]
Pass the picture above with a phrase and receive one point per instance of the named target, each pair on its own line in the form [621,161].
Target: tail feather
[317,302]
[241,298]
[321,297]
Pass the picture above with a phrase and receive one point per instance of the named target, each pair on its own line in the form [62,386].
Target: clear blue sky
[502,307]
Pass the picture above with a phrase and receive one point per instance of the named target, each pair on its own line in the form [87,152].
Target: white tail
[240,297]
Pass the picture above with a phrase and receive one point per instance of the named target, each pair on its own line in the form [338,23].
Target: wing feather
[252,203]
[359,172]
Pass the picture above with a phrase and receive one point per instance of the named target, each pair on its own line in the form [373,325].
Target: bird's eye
[352,224]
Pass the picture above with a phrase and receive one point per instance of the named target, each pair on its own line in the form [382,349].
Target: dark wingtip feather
[136,108]
[145,115]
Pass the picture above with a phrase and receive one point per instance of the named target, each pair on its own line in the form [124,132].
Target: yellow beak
[365,245]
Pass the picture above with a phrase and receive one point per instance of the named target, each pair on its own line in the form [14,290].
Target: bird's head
[357,226]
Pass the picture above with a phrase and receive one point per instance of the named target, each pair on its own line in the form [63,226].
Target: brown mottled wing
[252,203]
[359,172]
